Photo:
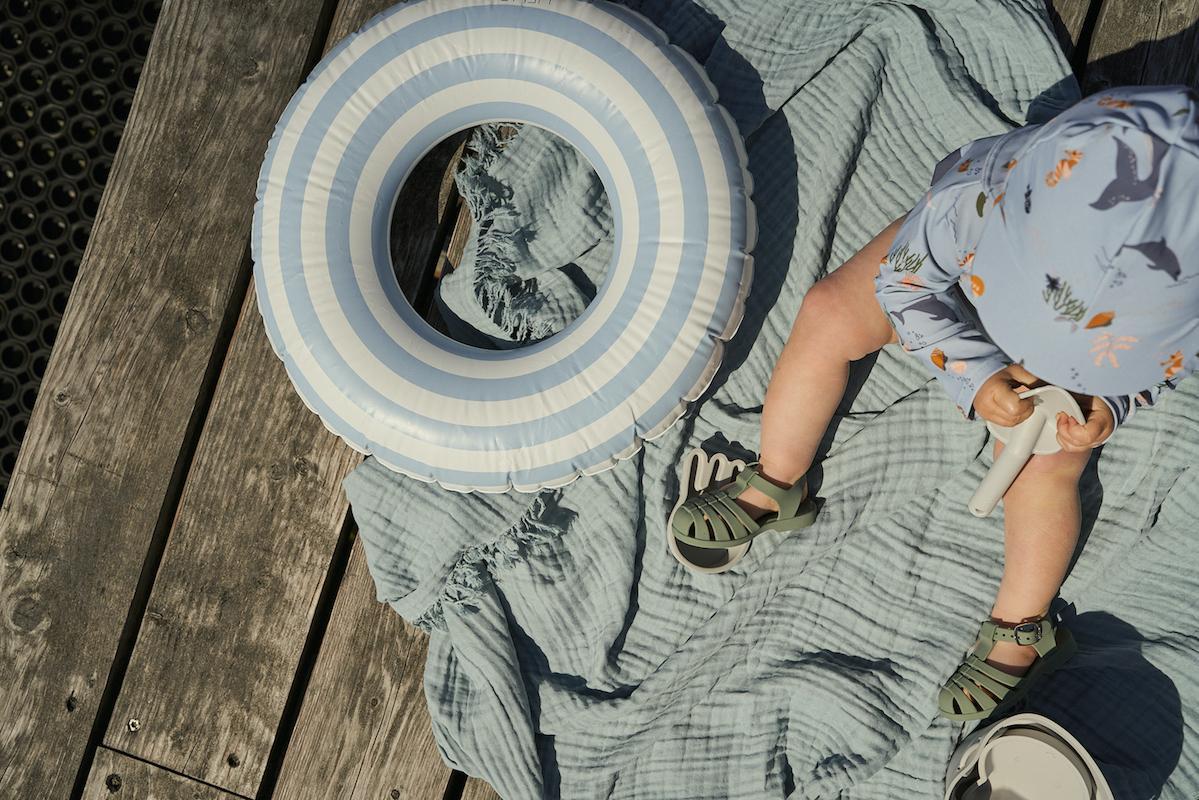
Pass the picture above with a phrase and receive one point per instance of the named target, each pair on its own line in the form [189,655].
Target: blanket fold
[571,656]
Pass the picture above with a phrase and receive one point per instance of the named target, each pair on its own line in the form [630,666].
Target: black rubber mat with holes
[68,69]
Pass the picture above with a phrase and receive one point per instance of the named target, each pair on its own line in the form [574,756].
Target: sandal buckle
[1027,633]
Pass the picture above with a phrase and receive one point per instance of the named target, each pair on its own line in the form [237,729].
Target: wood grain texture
[243,568]
[115,776]
[478,790]
[95,474]
[364,731]
[1144,42]
[250,552]
[1068,17]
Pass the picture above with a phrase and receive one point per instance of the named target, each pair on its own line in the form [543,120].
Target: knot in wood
[113,782]
[195,319]
[27,614]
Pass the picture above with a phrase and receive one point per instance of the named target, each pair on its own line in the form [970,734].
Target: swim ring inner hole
[532,263]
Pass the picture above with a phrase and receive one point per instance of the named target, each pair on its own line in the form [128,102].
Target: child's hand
[1075,438]
[997,401]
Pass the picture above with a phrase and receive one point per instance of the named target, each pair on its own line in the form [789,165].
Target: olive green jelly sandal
[712,519]
[977,690]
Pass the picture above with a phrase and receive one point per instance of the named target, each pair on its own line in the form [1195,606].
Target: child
[1057,253]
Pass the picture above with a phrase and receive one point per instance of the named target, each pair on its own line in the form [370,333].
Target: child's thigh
[1042,469]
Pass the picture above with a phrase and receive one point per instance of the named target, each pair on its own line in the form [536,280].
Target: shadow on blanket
[1124,710]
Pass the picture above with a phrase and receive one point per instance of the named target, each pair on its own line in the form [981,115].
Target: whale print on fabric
[930,305]
[1161,257]
[1126,187]
[1062,271]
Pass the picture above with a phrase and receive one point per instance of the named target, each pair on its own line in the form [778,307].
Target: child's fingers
[1018,372]
[1074,437]
[1097,429]
[1067,435]
[1014,409]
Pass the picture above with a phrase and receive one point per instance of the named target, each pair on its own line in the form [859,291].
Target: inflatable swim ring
[671,161]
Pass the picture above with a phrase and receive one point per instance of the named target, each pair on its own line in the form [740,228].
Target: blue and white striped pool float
[671,161]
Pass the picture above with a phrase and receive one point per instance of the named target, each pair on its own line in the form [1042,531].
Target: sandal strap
[987,675]
[727,519]
[719,528]
[1038,634]
[719,504]
[978,689]
[964,701]
[713,518]
[987,686]
[788,499]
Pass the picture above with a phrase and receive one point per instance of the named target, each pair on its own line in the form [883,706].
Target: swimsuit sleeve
[918,288]
[1124,406]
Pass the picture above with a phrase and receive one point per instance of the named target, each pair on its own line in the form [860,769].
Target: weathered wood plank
[1144,42]
[478,790]
[249,556]
[1068,17]
[240,577]
[416,248]
[115,775]
[363,731]
[452,255]
[95,480]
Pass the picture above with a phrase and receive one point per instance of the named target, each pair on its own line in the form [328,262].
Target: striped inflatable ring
[672,163]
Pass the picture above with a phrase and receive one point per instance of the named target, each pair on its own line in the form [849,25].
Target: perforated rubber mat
[68,70]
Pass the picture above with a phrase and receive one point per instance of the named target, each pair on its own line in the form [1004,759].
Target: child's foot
[1012,658]
[756,503]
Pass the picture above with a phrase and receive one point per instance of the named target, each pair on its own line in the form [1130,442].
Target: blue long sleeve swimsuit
[928,284]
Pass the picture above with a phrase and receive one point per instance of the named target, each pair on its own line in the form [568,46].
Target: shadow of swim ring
[671,161]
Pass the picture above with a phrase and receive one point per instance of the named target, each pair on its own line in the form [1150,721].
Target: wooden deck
[184,609]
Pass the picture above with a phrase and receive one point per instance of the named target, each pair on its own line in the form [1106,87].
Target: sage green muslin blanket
[571,656]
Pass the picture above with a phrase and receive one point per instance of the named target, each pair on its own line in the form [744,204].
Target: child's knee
[829,307]
[1060,466]
[822,304]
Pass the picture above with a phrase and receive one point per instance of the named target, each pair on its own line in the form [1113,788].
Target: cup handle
[1015,455]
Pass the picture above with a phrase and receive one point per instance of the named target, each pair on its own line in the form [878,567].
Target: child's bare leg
[839,321]
[1041,516]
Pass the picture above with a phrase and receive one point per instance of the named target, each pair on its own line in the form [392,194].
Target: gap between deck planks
[97,480]
[1068,19]
[246,578]
[116,776]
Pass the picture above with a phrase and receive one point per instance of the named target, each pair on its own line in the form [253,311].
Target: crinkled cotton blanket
[571,656]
